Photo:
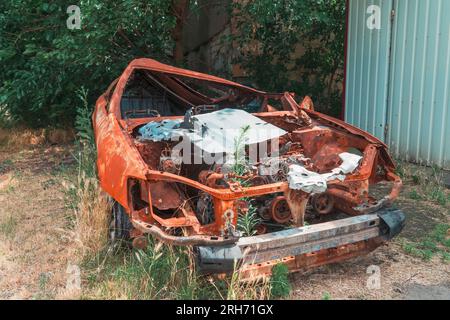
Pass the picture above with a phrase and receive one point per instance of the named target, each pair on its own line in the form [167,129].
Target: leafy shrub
[247,222]
[326,296]
[270,32]
[280,286]
[42,62]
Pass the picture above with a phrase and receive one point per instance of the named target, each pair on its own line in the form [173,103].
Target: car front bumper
[304,247]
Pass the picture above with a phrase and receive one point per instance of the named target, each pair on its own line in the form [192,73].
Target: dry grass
[34,244]
[158,272]
[8,226]
[243,289]
[348,280]
[92,214]
[20,138]
[166,272]
[425,183]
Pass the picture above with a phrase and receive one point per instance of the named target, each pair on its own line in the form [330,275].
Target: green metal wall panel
[398,84]
[368,67]
[418,108]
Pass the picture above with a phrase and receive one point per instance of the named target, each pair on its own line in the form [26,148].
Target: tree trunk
[179,9]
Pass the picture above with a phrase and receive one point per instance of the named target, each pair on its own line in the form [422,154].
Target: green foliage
[280,286]
[441,235]
[248,222]
[240,160]
[326,296]
[83,122]
[446,257]
[416,179]
[400,169]
[415,195]
[86,154]
[438,242]
[158,272]
[270,34]
[42,62]
[429,182]
[162,272]
[86,145]
[438,194]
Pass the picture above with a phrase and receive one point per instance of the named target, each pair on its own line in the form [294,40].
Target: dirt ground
[36,245]
[34,238]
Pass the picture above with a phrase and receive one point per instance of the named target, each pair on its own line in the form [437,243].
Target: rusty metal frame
[304,247]
[119,161]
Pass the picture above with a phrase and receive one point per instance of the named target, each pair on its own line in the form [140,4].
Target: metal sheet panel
[218,132]
[418,107]
[367,67]
[398,85]
[215,132]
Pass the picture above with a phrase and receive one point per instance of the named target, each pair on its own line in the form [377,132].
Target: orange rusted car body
[154,194]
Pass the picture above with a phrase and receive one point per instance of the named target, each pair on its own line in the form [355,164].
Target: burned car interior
[211,150]
[147,96]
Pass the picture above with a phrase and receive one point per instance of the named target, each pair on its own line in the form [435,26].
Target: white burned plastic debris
[300,178]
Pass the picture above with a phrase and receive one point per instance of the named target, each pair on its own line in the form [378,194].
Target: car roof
[156,66]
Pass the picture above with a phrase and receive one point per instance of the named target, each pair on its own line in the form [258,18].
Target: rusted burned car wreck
[185,154]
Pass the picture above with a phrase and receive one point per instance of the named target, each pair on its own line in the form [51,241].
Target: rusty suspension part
[194,240]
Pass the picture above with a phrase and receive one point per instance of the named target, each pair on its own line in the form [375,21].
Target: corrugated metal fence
[398,75]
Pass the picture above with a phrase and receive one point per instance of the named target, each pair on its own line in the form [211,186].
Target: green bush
[280,286]
[326,296]
[43,63]
[276,28]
